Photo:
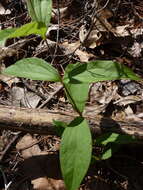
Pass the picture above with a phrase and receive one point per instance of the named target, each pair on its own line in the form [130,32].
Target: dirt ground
[79,31]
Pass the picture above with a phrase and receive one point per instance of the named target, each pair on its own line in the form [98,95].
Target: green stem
[73,102]
[68,93]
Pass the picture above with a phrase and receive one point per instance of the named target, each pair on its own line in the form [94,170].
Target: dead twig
[41,122]
[7,148]
[58,30]
[50,97]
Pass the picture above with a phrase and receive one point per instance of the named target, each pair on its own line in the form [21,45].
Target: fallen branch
[41,122]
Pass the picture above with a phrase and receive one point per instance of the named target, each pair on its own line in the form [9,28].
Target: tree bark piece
[31,120]
[40,121]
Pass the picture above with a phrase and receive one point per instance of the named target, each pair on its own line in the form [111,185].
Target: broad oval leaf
[33,68]
[77,92]
[40,10]
[75,152]
[30,28]
[77,95]
[98,71]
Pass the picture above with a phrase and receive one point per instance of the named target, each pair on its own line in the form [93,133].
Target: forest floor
[116,33]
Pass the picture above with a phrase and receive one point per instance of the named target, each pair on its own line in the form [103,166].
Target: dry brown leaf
[40,183]
[52,28]
[28,147]
[136,49]
[83,55]
[101,94]
[42,47]
[24,98]
[129,111]
[44,171]
[40,166]
[63,12]
[134,117]
[4,11]
[47,184]
[9,80]
[70,48]
[6,52]
[123,101]
[94,36]
[131,116]
[73,48]
[127,30]
[93,40]
[122,31]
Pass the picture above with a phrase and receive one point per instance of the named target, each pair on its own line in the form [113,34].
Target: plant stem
[73,102]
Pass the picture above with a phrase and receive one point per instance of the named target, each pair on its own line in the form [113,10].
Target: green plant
[76,143]
[110,142]
[40,12]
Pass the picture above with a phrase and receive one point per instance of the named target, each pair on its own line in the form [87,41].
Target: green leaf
[30,28]
[33,68]
[98,71]
[40,10]
[112,142]
[107,154]
[75,152]
[77,92]
[109,150]
[59,127]
[4,35]
[78,95]
[115,138]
